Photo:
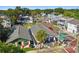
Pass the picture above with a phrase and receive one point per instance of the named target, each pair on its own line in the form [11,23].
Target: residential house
[65,38]
[62,22]
[2,16]
[73,26]
[20,36]
[25,19]
[54,18]
[50,39]
[38,27]
[46,19]
[6,22]
[31,19]
[43,14]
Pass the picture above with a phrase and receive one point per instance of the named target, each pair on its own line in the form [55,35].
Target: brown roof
[70,50]
[76,22]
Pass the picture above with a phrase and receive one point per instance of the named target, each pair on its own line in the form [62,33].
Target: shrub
[9,48]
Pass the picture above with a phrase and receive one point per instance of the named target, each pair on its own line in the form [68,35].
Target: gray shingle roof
[75,22]
[19,32]
[35,28]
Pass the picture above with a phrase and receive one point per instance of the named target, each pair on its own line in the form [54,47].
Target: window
[73,31]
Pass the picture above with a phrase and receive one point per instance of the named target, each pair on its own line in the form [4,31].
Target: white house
[43,14]
[54,18]
[63,22]
[31,19]
[25,19]
[6,23]
[73,26]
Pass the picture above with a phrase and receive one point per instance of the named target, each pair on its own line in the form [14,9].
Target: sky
[39,7]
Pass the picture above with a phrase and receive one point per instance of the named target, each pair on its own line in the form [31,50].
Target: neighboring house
[50,39]
[20,36]
[25,19]
[6,22]
[65,38]
[43,14]
[31,19]
[49,15]
[19,32]
[73,26]
[62,23]
[54,18]
[46,19]
[38,27]
[2,16]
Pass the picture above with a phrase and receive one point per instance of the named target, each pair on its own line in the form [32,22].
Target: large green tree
[59,10]
[26,11]
[48,11]
[9,48]
[41,35]
[4,33]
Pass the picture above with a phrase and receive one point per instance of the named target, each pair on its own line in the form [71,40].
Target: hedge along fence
[10,48]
